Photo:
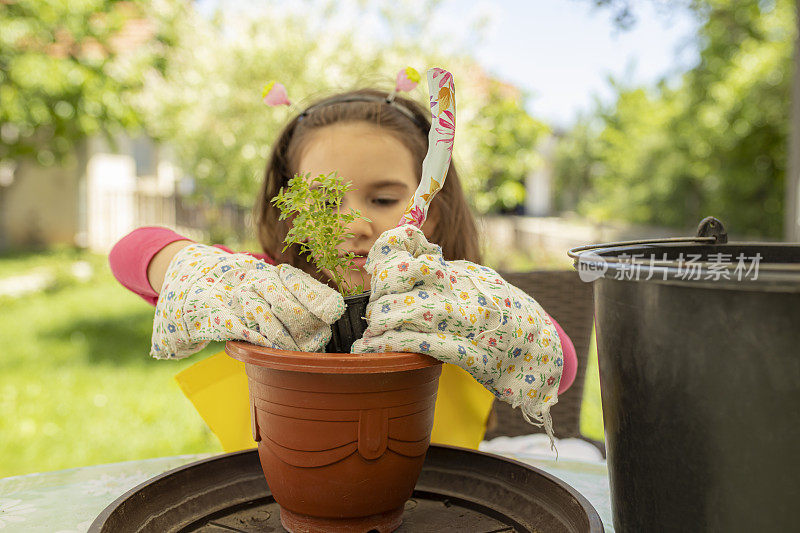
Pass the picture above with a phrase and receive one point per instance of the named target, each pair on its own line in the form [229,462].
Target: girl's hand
[209,294]
[464,314]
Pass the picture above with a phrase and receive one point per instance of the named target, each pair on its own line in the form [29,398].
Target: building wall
[91,200]
[538,184]
[40,207]
[110,200]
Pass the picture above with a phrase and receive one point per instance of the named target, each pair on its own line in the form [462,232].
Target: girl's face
[382,175]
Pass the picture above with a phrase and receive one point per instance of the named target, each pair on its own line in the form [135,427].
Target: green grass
[592,410]
[18,263]
[77,386]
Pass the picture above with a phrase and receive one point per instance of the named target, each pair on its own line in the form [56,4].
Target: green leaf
[316,228]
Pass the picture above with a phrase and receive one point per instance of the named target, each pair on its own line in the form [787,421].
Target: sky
[561,52]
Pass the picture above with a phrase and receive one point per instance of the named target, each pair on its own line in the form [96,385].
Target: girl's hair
[455,229]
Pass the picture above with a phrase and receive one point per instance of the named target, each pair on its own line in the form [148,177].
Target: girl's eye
[385,201]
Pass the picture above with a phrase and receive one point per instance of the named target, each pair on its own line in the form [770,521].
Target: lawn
[77,386]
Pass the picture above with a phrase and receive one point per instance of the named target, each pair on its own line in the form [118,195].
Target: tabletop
[67,501]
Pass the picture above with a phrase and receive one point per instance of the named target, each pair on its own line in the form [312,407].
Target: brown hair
[455,229]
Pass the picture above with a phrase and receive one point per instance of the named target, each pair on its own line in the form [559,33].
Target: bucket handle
[709,231]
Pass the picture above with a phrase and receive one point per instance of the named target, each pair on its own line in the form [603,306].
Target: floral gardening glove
[464,314]
[209,294]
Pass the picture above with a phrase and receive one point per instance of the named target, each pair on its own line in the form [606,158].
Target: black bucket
[351,325]
[700,381]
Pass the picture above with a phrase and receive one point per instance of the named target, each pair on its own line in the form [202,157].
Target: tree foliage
[713,143]
[72,70]
[68,70]
[623,12]
[207,104]
[506,150]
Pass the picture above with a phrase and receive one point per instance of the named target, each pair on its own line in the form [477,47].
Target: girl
[379,146]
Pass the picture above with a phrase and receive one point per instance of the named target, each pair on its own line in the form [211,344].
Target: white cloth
[538,445]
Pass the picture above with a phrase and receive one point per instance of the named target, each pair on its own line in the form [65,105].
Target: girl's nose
[360,228]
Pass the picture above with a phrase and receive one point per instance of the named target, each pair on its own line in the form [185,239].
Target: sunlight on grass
[592,409]
[19,263]
[77,385]
[74,416]
[518,260]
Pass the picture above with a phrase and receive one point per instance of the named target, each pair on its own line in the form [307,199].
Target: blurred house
[92,199]
[539,183]
[101,192]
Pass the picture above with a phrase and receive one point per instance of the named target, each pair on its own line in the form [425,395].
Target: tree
[624,14]
[505,151]
[207,104]
[713,143]
[575,164]
[791,228]
[68,70]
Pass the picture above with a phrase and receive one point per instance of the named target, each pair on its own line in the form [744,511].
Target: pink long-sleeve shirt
[131,256]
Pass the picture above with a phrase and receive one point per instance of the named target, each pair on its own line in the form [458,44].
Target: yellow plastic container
[217,387]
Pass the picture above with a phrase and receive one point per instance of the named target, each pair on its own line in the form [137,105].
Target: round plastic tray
[459,490]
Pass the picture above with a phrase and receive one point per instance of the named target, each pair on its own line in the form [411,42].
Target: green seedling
[318,224]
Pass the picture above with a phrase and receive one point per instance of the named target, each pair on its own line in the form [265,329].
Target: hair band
[389,100]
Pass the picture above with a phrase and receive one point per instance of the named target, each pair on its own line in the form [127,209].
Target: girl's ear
[429,227]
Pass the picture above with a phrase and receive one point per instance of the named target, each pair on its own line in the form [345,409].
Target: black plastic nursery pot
[351,325]
[700,381]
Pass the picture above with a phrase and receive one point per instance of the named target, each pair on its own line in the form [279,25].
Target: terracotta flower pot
[341,437]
